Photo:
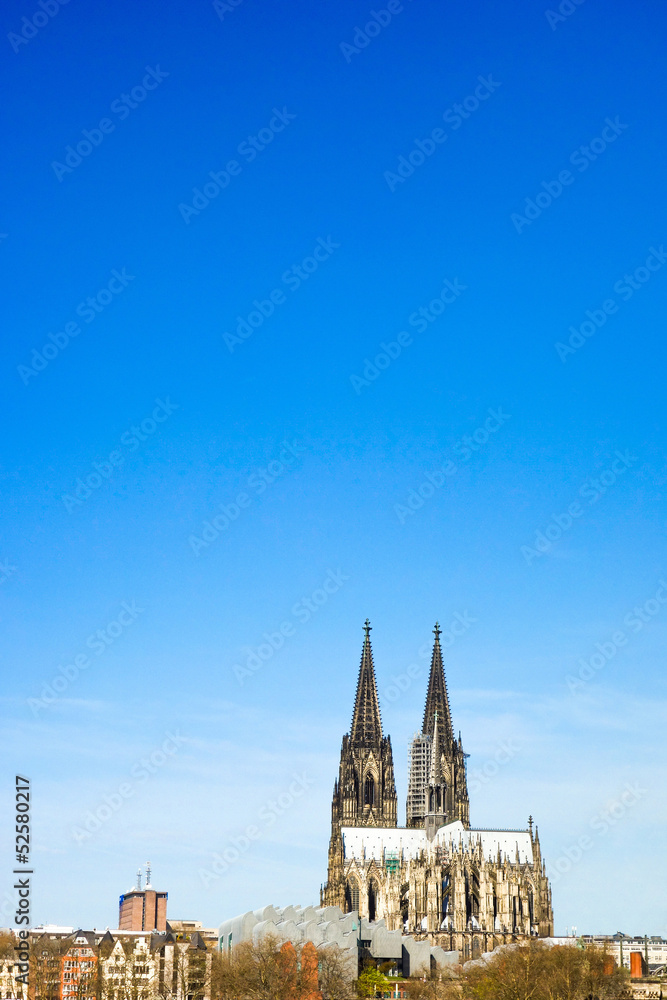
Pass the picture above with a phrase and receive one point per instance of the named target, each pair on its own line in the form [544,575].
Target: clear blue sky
[349,189]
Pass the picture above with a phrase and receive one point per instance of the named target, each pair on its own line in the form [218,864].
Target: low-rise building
[118,965]
[10,988]
[620,946]
[186,928]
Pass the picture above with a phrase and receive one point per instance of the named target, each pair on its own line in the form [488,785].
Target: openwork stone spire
[437,698]
[366,729]
[435,777]
[437,761]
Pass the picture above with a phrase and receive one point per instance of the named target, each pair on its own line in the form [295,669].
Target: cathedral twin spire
[366,728]
[365,793]
[446,798]
[437,698]
[438,771]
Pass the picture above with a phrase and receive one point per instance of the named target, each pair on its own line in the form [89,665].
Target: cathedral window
[445,896]
[372,900]
[352,895]
[369,791]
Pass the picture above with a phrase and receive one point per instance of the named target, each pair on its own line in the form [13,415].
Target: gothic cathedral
[466,890]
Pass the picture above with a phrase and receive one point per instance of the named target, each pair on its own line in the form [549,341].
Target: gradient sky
[586,742]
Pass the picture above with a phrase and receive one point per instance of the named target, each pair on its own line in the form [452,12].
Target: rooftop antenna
[148,875]
[139,879]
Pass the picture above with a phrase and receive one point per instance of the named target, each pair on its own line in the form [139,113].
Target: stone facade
[463,890]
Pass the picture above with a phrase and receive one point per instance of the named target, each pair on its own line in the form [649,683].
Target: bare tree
[438,986]
[9,986]
[336,982]
[45,967]
[269,970]
[537,972]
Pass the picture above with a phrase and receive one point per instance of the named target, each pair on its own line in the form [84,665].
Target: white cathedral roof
[373,842]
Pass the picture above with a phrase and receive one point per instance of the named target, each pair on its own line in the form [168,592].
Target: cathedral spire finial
[367,628]
[437,632]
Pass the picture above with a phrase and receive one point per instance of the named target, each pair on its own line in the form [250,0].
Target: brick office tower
[143,909]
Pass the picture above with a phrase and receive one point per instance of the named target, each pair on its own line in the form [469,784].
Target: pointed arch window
[372,899]
[445,896]
[352,895]
[369,790]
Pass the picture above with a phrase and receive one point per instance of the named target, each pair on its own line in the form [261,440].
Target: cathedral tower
[437,767]
[365,792]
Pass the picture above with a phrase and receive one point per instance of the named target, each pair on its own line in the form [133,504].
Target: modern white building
[327,925]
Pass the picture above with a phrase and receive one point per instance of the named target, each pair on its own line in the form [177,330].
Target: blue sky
[188,484]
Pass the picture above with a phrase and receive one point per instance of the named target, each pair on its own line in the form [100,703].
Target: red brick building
[143,910]
[78,975]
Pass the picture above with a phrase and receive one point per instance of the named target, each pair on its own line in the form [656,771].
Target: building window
[372,900]
[352,895]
